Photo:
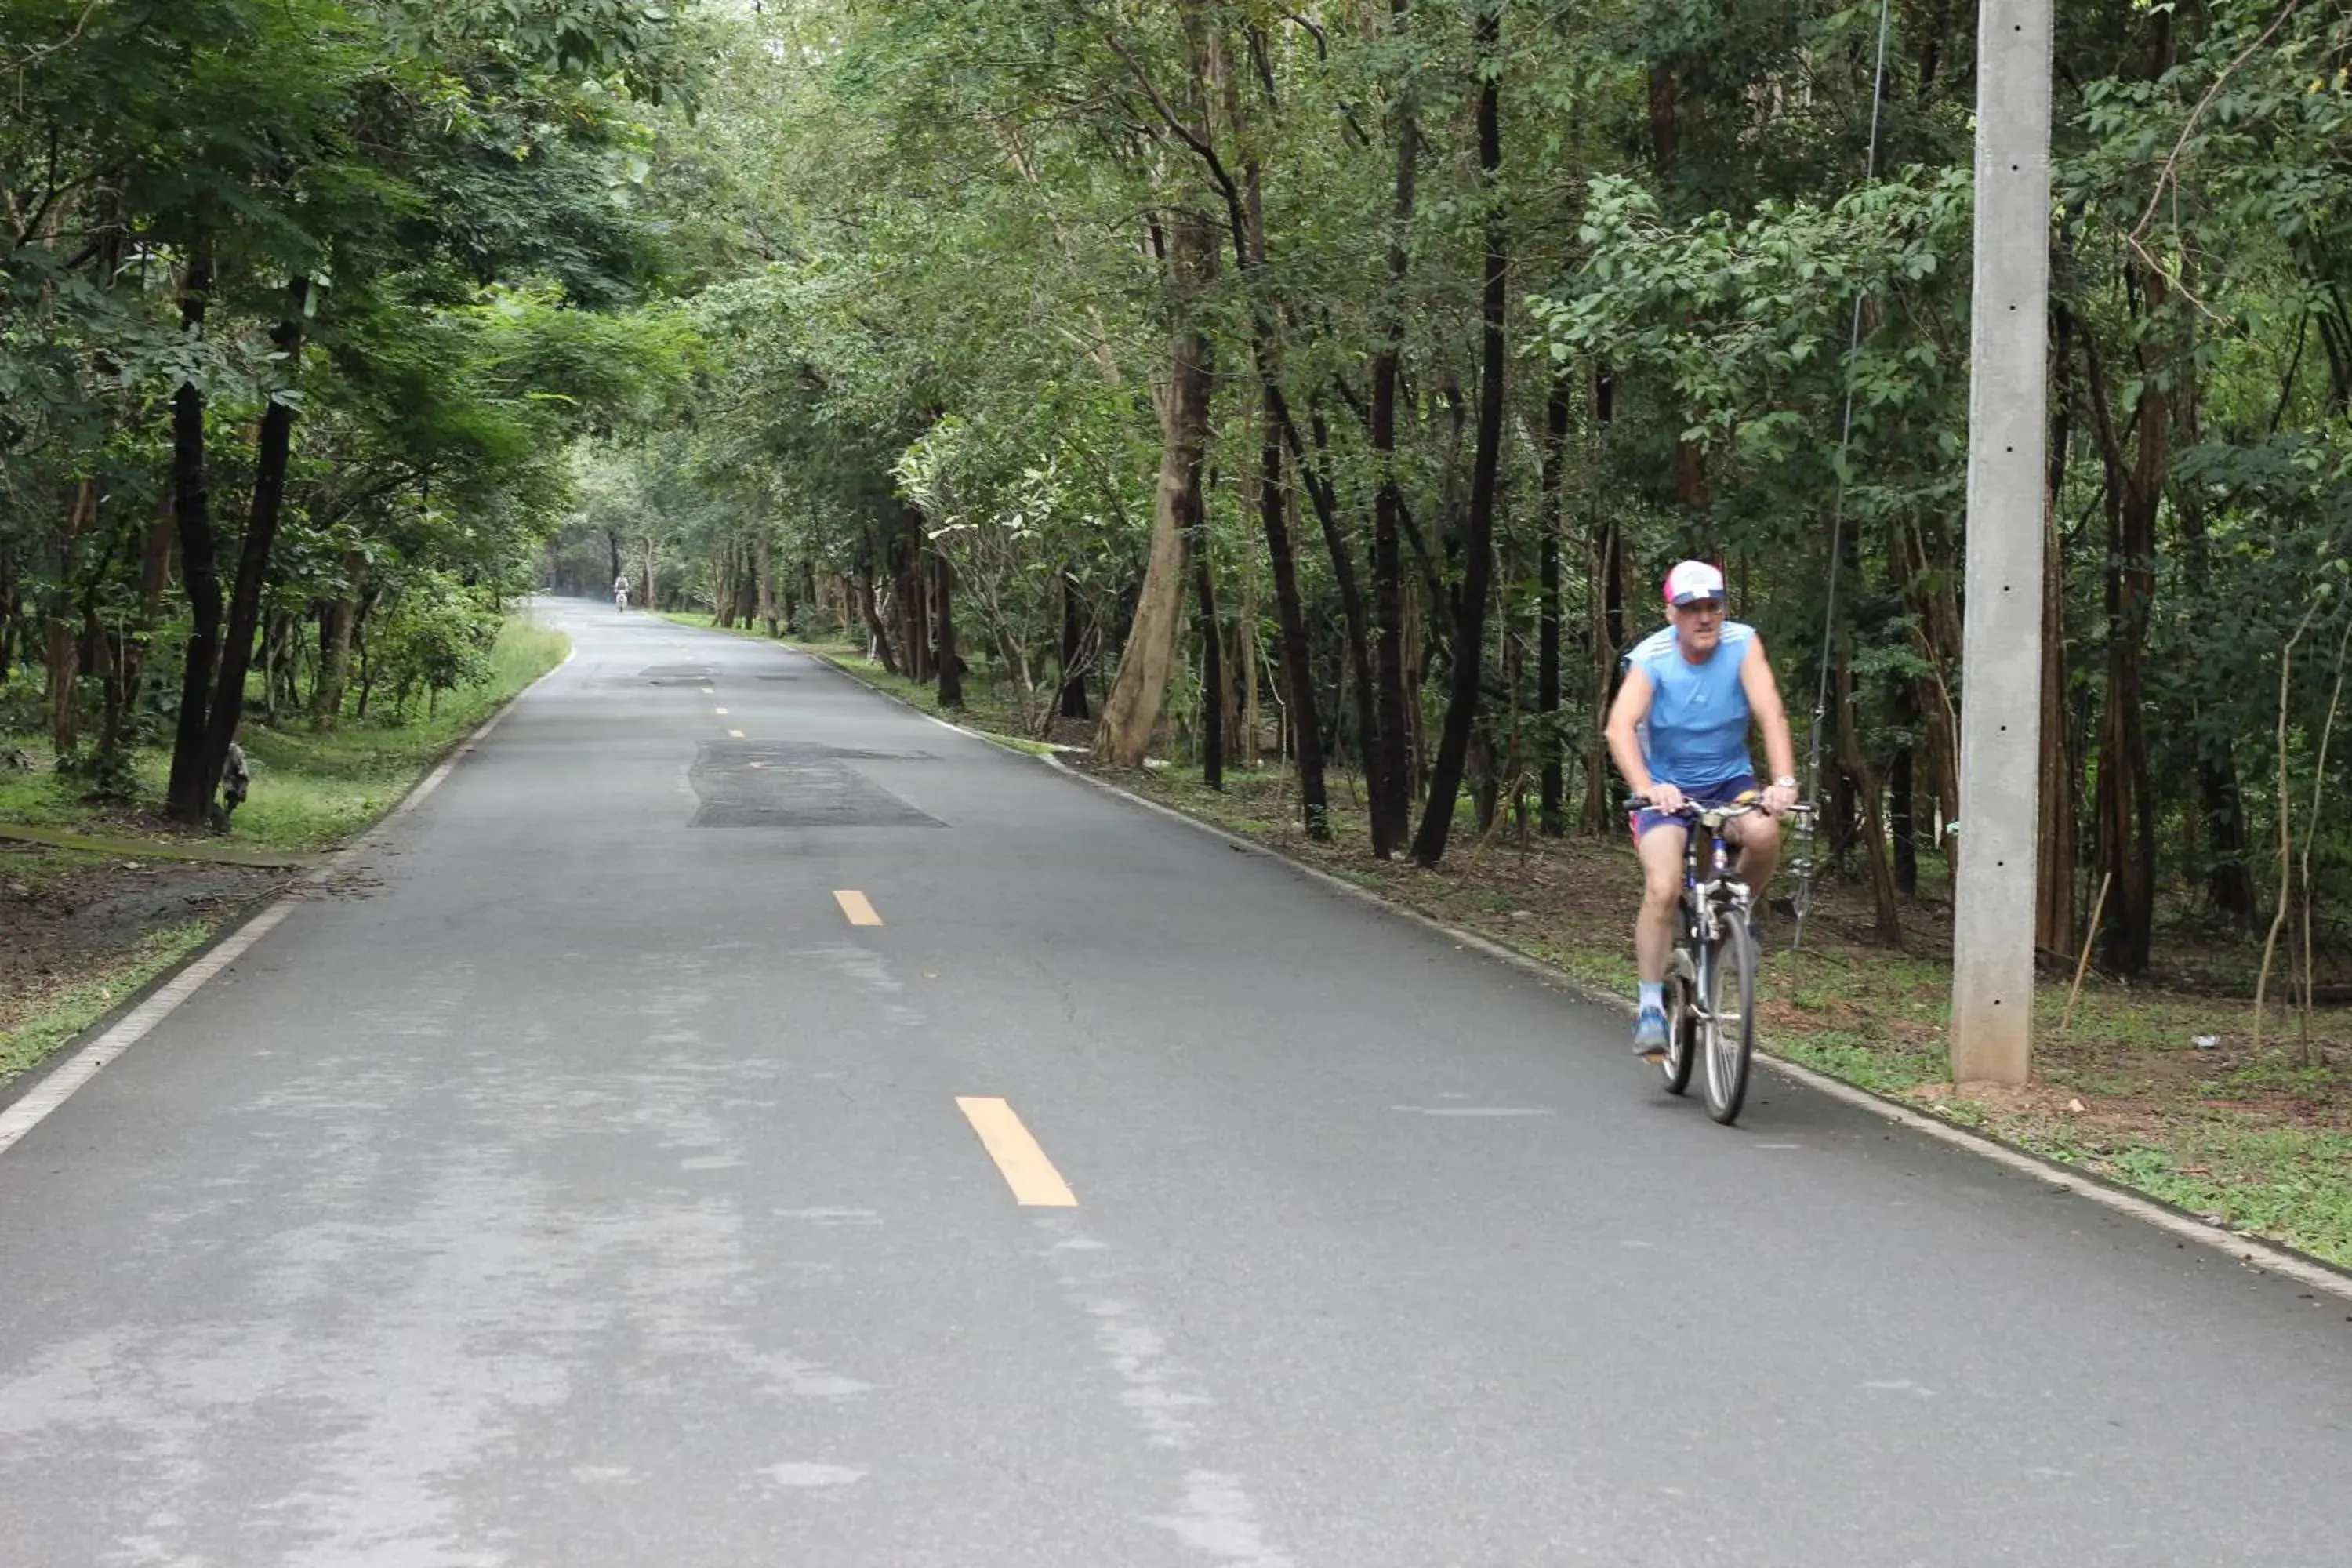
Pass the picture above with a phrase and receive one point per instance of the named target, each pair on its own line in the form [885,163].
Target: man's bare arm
[1625,716]
[1764,702]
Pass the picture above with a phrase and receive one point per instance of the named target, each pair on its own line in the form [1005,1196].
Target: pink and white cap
[1693,580]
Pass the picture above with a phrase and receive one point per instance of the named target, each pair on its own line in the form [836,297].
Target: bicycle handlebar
[1740,807]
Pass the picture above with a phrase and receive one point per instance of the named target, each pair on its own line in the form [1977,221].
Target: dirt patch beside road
[70,920]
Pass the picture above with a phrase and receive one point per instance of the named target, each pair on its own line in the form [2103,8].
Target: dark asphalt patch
[677,674]
[790,783]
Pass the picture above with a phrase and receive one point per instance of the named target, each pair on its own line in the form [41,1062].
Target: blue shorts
[1723,794]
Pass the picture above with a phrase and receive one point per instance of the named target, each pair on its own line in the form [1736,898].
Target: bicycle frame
[1704,900]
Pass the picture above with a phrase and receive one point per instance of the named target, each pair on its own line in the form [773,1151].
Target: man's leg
[1653,930]
[1662,886]
[1760,851]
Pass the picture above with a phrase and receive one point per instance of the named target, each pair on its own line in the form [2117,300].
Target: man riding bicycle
[1679,732]
[621,591]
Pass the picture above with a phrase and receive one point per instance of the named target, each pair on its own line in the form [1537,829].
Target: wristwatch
[1784,782]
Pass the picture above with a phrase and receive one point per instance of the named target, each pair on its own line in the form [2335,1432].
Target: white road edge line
[63,1081]
[2255,1254]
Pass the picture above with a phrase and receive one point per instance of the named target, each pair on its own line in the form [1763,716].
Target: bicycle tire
[1730,1035]
[1682,1028]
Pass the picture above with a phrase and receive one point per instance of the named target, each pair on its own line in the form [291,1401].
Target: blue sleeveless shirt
[1697,734]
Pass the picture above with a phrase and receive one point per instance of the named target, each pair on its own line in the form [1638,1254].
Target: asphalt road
[580,1186]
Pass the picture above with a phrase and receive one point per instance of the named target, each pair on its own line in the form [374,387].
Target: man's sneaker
[1649,1035]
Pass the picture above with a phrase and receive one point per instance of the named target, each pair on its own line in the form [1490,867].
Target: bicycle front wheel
[1730,991]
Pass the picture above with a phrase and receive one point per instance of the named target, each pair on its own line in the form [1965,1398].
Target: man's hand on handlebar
[1777,799]
[1664,798]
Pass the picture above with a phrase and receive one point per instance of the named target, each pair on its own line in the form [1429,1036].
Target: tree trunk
[1245,213]
[1607,629]
[1666,99]
[1874,819]
[64,649]
[1290,615]
[907,554]
[334,676]
[188,795]
[272,454]
[763,567]
[1253,717]
[950,662]
[1213,672]
[1132,712]
[128,656]
[2056,843]
[1389,769]
[9,610]
[2229,876]
[1903,820]
[275,673]
[1072,703]
[874,627]
[2054,915]
[1547,732]
[1356,675]
[2127,809]
[63,662]
[1477,565]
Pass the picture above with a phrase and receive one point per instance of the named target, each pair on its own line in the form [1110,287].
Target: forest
[1321,387]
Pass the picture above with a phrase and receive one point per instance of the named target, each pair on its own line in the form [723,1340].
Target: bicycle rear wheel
[1681,1023]
[1729,990]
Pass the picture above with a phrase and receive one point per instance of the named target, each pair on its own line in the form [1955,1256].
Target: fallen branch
[2090,936]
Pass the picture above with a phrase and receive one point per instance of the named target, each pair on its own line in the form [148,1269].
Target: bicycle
[1715,950]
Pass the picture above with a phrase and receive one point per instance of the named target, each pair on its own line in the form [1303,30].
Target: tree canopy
[1328,379]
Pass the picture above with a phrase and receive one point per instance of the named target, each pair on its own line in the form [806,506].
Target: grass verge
[66,1012]
[310,789]
[314,789]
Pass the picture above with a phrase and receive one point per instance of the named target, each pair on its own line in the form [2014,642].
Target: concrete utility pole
[2001,656]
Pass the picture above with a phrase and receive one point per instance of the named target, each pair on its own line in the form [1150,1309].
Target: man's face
[1698,627]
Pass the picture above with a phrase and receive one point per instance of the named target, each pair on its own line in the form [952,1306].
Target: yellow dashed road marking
[855,905]
[1035,1182]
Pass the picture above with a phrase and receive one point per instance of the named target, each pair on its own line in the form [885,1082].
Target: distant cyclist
[1679,732]
[621,591]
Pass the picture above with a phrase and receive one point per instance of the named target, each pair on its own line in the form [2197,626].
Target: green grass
[2291,1183]
[992,703]
[703,620]
[83,1004]
[1865,1060]
[38,798]
[311,789]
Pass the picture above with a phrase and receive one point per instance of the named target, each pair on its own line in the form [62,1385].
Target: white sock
[1653,995]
